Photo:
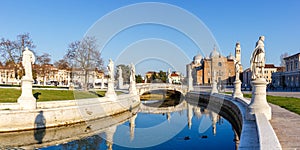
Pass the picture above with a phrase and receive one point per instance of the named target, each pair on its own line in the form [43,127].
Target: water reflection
[130,129]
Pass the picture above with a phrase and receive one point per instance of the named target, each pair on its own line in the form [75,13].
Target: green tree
[138,78]
[162,76]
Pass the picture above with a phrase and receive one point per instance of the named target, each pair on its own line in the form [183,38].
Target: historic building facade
[216,64]
[290,78]
[269,71]
[50,75]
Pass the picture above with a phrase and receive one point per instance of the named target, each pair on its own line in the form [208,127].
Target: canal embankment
[61,113]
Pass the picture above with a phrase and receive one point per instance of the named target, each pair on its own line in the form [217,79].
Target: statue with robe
[132,73]
[28,59]
[110,68]
[120,71]
[257,61]
[237,70]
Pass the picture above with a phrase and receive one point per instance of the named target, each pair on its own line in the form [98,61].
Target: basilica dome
[197,59]
[230,56]
[214,53]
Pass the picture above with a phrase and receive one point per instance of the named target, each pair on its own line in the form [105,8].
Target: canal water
[184,126]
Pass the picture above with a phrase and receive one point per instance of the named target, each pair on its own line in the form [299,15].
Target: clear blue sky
[54,24]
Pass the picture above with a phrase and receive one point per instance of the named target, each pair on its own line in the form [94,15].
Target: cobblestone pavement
[286,125]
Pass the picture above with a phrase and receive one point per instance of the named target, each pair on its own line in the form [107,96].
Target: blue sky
[54,24]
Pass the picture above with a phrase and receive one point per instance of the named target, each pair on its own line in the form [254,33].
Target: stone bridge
[143,108]
[145,87]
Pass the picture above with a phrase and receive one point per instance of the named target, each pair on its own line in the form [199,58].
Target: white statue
[169,76]
[120,71]
[237,70]
[110,68]
[28,59]
[132,73]
[257,61]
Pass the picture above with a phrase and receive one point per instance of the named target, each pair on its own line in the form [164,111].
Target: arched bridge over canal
[146,87]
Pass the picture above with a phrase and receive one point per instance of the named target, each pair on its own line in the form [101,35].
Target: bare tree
[84,56]
[43,66]
[61,64]
[282,56]
[11,51]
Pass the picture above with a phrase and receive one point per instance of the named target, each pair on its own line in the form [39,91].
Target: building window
[287,67]
[291,66]
[220,64]
[296,65]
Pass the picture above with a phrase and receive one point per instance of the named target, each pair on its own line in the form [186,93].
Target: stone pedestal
[237,93]
[259,102]
[110,93]
[120,83]
[214,88]
[27,101]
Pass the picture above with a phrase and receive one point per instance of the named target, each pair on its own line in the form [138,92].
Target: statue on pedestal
[237,70]
[27,100]
[132,85]
[27,61]
[110,93]
[110,68]
[132,73]
[257,62]
[120,78]
[259,102]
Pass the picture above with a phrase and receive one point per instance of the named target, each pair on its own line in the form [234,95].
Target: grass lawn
[289,103]
[11,95]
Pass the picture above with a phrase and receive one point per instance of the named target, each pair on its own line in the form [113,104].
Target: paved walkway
[286,126]
[286,94]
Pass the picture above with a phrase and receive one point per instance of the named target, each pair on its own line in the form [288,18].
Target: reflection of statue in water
[257,61]
[40,127]
[27,61]
[110,68]
[132,73]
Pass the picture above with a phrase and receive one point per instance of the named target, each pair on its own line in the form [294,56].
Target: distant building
[289,78]
[268,71]
[49,75]
[223,67]
[176,77]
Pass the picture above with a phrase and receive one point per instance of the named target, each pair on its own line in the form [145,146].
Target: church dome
[214,53]
[230,56]
[197,59]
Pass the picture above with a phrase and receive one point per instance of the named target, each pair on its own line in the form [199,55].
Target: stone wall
[59,113]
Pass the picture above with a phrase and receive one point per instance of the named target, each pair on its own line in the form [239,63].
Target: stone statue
[132,73]
[110,68]
[237,70]
[28,59]
[169,76]
[120,71]
[257,62]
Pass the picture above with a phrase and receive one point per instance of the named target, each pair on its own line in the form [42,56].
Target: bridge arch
[146,87]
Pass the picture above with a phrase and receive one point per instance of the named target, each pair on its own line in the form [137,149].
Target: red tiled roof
[270,66]
[174,75]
